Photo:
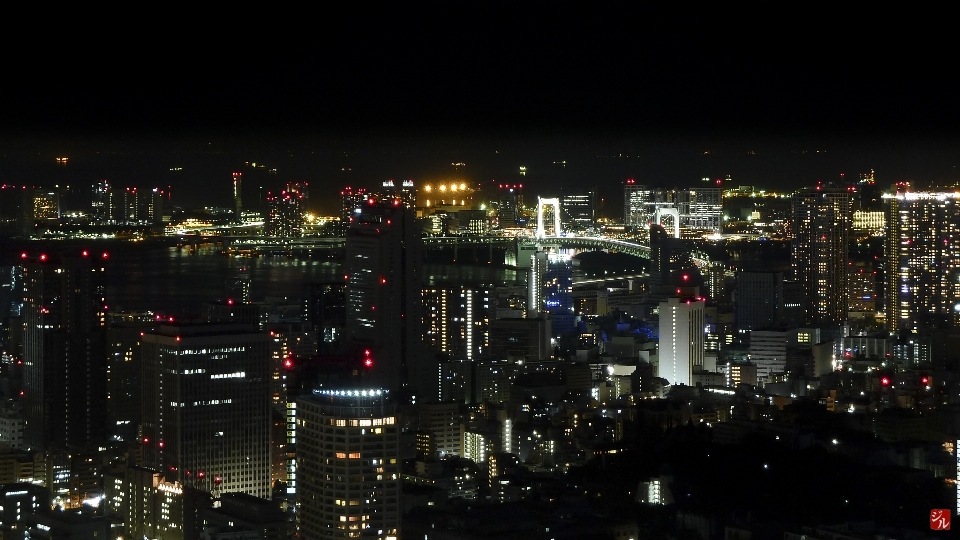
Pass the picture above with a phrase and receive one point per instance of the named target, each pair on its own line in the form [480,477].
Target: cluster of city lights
[443,188]
[363,393]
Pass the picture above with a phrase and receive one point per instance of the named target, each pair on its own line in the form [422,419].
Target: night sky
[615,92]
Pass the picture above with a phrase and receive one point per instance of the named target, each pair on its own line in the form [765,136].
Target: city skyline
[511,271]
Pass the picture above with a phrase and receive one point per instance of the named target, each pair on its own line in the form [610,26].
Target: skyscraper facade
[578,210]
[635,197]
[456,319]
[923,254]
[286,212]
[821,231]
[206,407]
[351,200]
[759,300]
[64,371]
[237,197]
[383,290]
[510,198]
[348,465]
[681,344]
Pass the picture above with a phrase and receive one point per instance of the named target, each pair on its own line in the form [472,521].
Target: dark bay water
[171,280]
[152,276]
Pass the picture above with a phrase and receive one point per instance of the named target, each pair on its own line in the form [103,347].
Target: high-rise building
[100,201]
[578,210]
[46,204]
[237,199]
[923,261]
[681,344]
[148,505]
[759,300]
[327,314]
[403,191]
[456,319]
[508,206]
[286,212]
[821,231]
[527,338]
[702,210]
[64,357]
[206,407]
[383,291]
[348,465]
[351,200]
[635,197]
[669,259]
[768,351]
[557,292]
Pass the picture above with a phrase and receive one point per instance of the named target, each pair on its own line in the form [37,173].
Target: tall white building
[348,465]
[681,346]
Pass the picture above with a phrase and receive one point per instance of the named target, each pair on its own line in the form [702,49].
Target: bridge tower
[668,211]
[555,203]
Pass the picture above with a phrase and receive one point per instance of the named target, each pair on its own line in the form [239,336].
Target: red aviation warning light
[885,381]
[367,359]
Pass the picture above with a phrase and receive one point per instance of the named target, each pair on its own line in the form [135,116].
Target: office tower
[669,259]
[238,287]
[206,407]
[578,210]
[556,287]
[704,211]
[286,212]
[237,200]
[821,231]
[508,205]
[923,261]
[348,465]
[350,201]
[128,210]
[768,351]
[100,201]
[383,292]
[442,421]
[456,319]
[46,204]
[150,505]
[535,277]
[327,314]
[64,356]
[494,380]
[124,362]
[528,338]
[869,222]
[862,282]
[681,339]
[153,211]
[403,191]
[759,300]
[635,197]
